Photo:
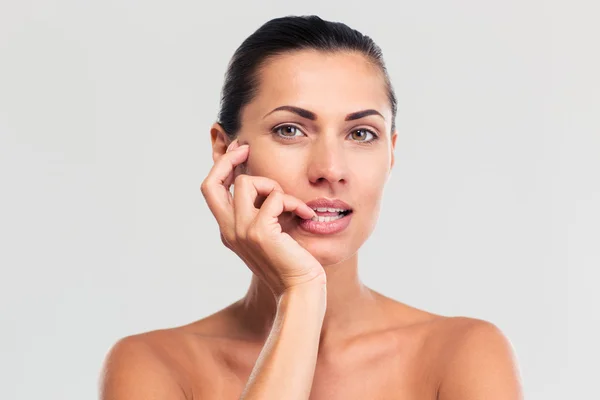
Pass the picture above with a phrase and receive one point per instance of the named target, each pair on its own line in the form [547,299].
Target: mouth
[325,214]
[333,216]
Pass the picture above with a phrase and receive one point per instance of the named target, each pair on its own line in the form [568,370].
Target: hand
[255,234]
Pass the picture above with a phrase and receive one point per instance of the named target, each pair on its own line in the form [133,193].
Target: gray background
[492,210]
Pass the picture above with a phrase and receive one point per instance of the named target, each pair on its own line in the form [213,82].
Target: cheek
[370,186]
[371,182]
[283,167]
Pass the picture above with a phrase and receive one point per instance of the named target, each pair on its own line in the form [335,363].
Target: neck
[351,306]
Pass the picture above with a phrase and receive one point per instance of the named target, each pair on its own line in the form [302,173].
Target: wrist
[312,288]
[311,295]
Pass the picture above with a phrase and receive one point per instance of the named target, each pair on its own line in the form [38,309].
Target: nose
[327,163]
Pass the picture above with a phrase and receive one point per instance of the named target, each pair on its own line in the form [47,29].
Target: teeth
[326,219]
[324,209]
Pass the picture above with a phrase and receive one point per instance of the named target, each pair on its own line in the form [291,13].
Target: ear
[219,140]
[394,137]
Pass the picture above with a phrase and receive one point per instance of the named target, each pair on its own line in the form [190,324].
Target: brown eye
[287,131]
[360,134]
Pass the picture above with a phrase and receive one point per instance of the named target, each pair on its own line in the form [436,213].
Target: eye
[362,134]
[286,131]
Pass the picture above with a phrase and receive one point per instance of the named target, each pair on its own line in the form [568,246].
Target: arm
[483,366]
[286,364]
[132,371]
[284,369]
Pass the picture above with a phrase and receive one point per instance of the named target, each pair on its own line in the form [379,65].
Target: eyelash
[369,142]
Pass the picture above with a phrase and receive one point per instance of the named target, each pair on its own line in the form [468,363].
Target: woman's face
[320,153]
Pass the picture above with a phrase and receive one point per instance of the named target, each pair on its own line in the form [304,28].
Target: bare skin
[212,358]
[308,328]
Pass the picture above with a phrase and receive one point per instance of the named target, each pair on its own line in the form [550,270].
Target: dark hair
[281,35]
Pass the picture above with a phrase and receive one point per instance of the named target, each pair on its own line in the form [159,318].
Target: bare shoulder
[176,363]
[476,360]
[148,365]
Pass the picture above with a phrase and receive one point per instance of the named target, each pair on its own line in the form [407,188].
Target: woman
[306,137]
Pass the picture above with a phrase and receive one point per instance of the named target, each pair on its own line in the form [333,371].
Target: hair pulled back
[282,35]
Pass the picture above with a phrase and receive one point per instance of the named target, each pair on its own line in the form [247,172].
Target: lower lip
[325,228]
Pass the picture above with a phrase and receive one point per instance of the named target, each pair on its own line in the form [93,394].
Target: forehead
[330,84]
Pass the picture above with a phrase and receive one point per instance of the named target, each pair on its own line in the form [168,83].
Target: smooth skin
[308,328]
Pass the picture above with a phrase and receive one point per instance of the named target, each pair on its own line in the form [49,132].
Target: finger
[247,189]
[213,187]
[234,144]
[276,204]
[229,180]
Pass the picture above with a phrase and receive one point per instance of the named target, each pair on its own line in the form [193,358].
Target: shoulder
[477,360]
[142,366]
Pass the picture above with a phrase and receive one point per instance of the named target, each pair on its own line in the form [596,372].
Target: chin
[327,252]
[327,249]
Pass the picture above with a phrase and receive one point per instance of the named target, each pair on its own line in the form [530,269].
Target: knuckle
[254,234]
[225,242]
[240,179]
[289,196]
[276,194]
[227,238]
[276,185]
[204,188]
[240,233]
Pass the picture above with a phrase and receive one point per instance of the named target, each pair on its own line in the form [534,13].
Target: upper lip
[323,202]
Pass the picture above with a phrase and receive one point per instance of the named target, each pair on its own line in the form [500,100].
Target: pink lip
[325,228]
[331,227]
[329,203]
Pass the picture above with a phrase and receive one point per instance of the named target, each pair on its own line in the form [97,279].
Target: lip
[328,203]
[325,228]
[330,227]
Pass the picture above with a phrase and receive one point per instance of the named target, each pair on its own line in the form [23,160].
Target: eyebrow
[313,117]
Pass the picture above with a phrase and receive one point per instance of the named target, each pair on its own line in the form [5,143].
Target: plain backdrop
[492,210]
